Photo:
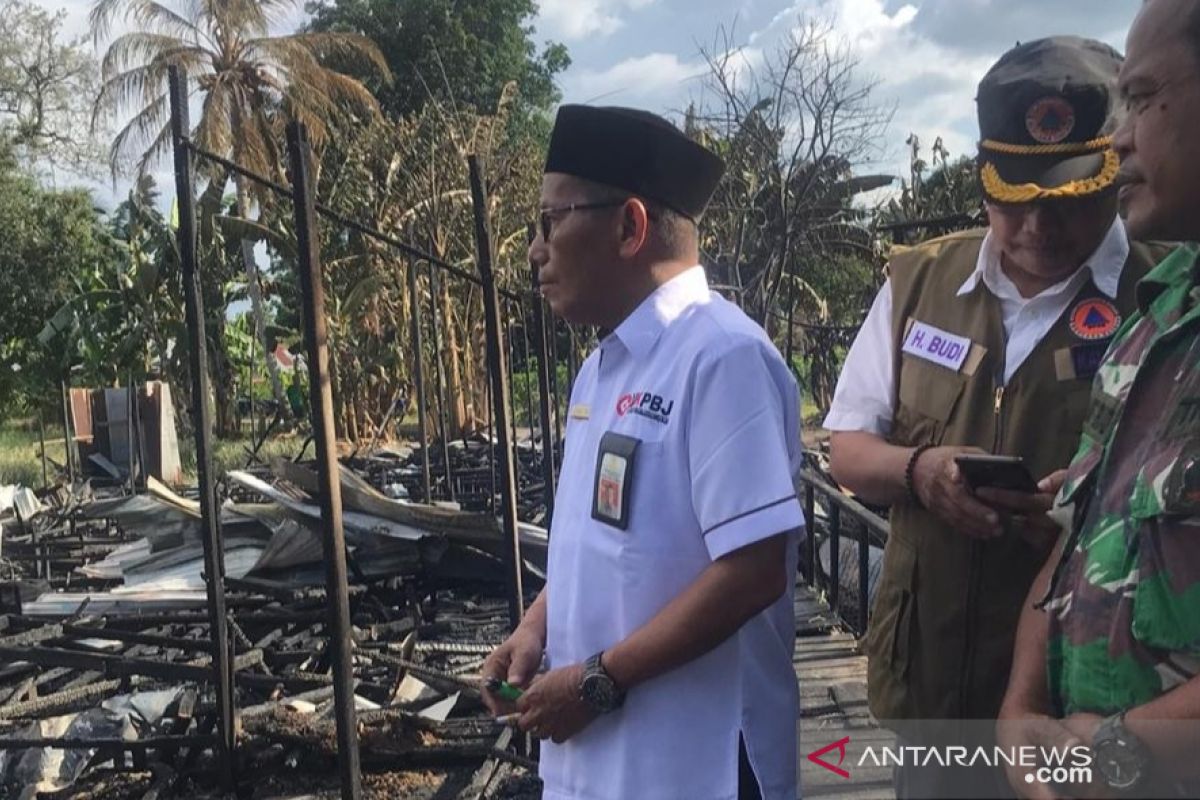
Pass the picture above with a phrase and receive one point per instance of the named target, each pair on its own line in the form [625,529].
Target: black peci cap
[636,151]
[1047,111]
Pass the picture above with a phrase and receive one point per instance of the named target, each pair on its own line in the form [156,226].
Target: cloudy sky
[926,55]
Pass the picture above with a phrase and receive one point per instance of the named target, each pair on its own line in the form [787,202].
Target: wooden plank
[832,675]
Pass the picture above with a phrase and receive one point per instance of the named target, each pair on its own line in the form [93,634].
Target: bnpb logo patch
[1050,120]
[1095,319]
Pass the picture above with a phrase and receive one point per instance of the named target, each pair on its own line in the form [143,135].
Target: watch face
[1119,765]
[599,692]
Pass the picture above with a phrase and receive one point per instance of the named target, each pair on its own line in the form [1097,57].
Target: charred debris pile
[106,641]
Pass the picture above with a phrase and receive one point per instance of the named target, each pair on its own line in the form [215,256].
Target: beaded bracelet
[908,473]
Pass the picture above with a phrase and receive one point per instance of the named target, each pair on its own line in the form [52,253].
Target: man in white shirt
[985,342]
[666,625]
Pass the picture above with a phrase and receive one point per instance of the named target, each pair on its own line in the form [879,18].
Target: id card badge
[614,479]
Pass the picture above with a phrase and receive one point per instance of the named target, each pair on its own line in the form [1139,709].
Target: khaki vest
[941,634]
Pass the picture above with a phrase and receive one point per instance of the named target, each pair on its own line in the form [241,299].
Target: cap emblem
[1050,120]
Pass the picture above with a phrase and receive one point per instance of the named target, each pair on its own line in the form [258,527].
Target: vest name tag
[936,345]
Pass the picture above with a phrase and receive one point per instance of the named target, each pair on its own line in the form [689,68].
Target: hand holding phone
[1026,509]
[983,471]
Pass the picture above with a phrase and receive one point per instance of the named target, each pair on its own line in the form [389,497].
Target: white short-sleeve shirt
[714,411]
[863,400]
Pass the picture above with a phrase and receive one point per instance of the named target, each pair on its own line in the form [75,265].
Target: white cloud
[573,20]
[75,15]
[930,85]
[971,25]
[636,80]
[742,63]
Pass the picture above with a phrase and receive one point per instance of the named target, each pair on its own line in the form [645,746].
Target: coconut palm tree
[252,81]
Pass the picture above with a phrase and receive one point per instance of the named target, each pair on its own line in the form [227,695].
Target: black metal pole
[439,370]
[141,439]
[737,258]
[835,556]
[214,555]
[544,397]
[499,392]
[791,316]
[418,350]
[252,371]
[864,570]
[308,265]
[554,387]
[491,451]
[525,370]
[129,402]
[65,397]
[572,360]
[510,338]
[810,539]
[42,442]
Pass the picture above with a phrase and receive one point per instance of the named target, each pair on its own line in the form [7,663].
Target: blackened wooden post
[439,370]
[499,391]
[67,437]
[214,554]
[549,436]
[418,350]
[312,287]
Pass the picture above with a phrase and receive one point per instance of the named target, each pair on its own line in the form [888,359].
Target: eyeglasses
[549,214]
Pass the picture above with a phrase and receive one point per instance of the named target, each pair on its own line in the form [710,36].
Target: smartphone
[996,472]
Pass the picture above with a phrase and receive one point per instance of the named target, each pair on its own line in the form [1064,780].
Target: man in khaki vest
[984,342]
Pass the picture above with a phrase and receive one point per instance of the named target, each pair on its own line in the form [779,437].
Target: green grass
[20,454]
[234,453]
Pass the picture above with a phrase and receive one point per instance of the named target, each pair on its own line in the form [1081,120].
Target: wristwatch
[598,689]
[1120,757]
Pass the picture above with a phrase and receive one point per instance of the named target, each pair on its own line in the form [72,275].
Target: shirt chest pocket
[1166,514]
[640,491]
[928,394]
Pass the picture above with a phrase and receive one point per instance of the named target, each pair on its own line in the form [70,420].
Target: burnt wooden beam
[114,665]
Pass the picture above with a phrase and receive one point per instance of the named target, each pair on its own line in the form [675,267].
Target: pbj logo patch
[646,404]
[1095,319]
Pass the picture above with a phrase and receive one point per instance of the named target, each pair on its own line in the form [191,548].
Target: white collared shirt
[865,389]
[715,411]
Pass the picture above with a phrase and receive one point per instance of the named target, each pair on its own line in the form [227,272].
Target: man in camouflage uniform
[1111,657]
